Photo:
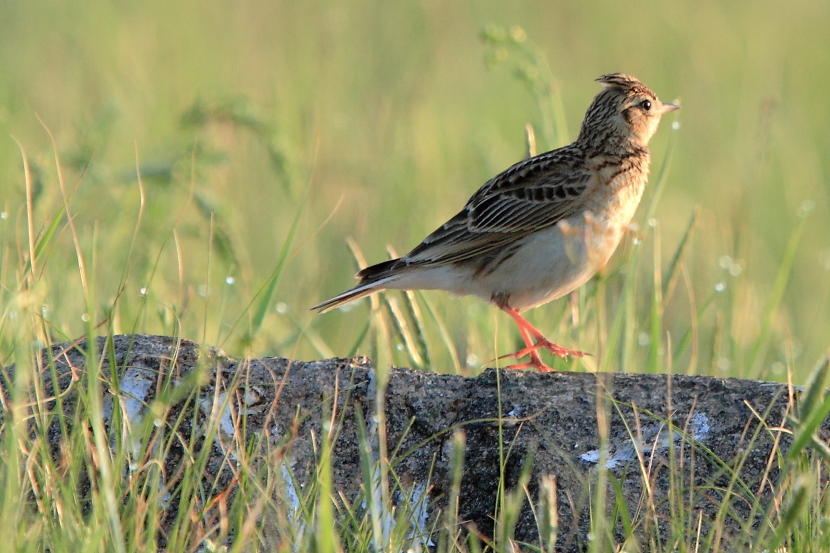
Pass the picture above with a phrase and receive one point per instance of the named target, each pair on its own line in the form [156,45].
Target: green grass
[211,171]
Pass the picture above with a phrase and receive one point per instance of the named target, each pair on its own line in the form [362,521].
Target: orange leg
[527,330]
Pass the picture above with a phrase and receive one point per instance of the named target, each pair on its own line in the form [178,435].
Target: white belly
[550,265]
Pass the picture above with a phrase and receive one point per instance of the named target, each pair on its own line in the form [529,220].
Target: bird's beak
[669,107]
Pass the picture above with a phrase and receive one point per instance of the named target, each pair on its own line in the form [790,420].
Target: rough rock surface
[549,420]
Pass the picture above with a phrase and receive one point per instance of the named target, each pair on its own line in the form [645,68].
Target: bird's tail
[372,279]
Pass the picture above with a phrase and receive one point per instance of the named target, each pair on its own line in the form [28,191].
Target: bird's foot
[536,361]
[555,349]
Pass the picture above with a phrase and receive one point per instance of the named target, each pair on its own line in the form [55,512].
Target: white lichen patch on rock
[699,426]
[219,409]
[132,399]
[651,438]
[417,505]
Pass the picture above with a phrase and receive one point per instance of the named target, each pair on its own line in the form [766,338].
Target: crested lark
[544,226]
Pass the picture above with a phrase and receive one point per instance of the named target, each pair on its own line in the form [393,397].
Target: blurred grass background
[390,116]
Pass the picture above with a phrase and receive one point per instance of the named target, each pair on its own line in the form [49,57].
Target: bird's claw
[555,349]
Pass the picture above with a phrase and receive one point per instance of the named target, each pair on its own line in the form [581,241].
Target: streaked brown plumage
[544,226]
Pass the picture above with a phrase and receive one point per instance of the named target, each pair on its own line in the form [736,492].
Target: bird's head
[624,114]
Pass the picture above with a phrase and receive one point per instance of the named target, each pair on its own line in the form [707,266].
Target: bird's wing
[530,196]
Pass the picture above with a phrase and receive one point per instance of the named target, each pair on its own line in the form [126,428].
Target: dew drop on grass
[143,291]
[230,281]
[805,208]
[282,308]
[791,348]
[730,265]
[472,360]
[3,215]
[85,317]
[675,125]
[518,34]
[720,287]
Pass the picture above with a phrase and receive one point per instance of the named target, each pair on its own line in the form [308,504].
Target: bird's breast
[553,262]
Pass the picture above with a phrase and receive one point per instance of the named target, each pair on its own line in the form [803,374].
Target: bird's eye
[646,105]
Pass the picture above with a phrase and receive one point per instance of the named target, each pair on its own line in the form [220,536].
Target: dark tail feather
[372,279]
[376,272]
[346,297]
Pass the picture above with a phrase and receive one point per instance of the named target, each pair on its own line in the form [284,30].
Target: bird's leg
[526,329]
[535,361]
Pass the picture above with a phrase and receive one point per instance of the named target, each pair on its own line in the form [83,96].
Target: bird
[541,228]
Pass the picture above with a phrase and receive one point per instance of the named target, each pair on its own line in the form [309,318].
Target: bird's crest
[623,81]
